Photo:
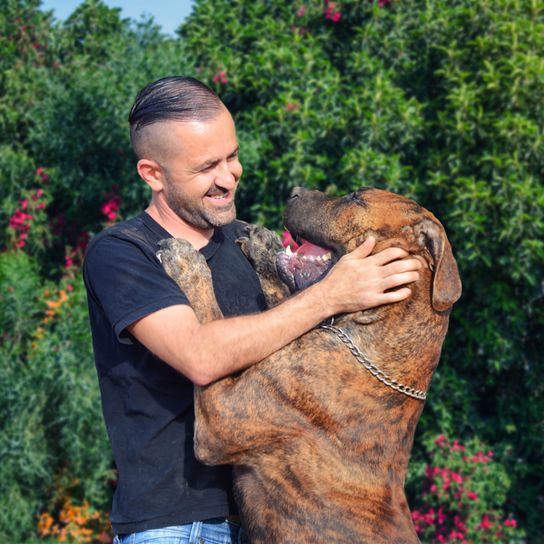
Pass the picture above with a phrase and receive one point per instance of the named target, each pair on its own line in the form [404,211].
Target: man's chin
[222,217]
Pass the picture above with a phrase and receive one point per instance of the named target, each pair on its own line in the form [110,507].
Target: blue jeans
[209,531]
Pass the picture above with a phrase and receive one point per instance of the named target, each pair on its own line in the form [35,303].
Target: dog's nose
[296,192]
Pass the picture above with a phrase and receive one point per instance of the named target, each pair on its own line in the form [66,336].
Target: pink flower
[301,10]
[439,440]
[19,221]
[331,13]
[69,287]
[110,207]
[472,495]
[68,261]
[24,203]
[480,457]
[456,477]
[511,523]
[457,447]
[220,76]
[39,192]
[42,173]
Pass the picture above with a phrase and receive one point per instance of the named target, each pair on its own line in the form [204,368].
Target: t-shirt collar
[208,250]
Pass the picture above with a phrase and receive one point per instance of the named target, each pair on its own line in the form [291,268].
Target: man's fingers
[395,296]
[397,267]
[365,249]
[399,279]
[390,254]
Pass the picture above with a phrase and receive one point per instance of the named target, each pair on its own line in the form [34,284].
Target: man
[150,347]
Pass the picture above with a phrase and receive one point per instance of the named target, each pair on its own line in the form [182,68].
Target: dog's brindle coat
[320,447]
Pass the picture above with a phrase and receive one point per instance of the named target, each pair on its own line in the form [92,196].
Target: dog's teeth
[288,251]
[327,256]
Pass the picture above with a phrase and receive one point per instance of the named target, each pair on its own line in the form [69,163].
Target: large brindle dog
[320,432]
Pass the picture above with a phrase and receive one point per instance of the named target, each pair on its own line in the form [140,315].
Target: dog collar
[371,367]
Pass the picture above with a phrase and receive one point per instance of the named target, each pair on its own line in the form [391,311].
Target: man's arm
[209,351]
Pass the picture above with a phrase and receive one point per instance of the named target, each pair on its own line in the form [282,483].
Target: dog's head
[328,227]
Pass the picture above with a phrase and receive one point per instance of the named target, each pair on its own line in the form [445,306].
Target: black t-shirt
[147,405]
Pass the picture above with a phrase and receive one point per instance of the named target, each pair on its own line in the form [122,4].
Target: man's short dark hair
[172,98]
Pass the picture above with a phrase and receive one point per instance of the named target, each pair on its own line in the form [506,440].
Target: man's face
[201,170]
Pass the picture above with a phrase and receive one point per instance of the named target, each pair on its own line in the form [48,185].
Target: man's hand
[359,281]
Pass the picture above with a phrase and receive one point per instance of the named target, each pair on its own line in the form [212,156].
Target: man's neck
[177,227]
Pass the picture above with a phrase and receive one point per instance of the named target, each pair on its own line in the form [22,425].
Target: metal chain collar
[371,367]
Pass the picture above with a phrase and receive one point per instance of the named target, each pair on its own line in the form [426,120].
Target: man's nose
[226,177]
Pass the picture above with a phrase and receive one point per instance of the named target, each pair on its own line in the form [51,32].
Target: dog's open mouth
[302,263]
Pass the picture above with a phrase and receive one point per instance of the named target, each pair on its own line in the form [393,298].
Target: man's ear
[151,172]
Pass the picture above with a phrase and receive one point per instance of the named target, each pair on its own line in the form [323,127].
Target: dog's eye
[353,196]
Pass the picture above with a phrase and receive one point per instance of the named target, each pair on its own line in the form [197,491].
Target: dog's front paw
[261,247]
[182,262]
[188,268]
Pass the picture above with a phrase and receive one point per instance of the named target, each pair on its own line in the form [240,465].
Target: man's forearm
[228,345]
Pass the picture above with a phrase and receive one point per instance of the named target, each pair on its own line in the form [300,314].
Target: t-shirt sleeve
[127,282]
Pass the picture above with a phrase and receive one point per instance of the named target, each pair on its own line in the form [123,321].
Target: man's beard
[195,213]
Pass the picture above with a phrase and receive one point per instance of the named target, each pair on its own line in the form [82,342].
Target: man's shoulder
[130,229]
[138,231]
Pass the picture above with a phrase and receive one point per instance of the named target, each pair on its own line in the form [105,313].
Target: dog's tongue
[304,264]
[311,250]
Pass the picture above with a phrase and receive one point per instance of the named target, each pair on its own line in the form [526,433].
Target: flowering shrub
[110,208]
[331,12]
[463,493]
[75,524]
[27,225]
[220,76]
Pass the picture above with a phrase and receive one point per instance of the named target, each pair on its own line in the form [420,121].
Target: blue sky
[168,13]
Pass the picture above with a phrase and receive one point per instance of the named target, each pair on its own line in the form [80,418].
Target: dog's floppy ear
[446,281]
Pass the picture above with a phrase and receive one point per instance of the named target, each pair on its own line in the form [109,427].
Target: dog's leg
[188,268]
[228,421]
[261,247]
